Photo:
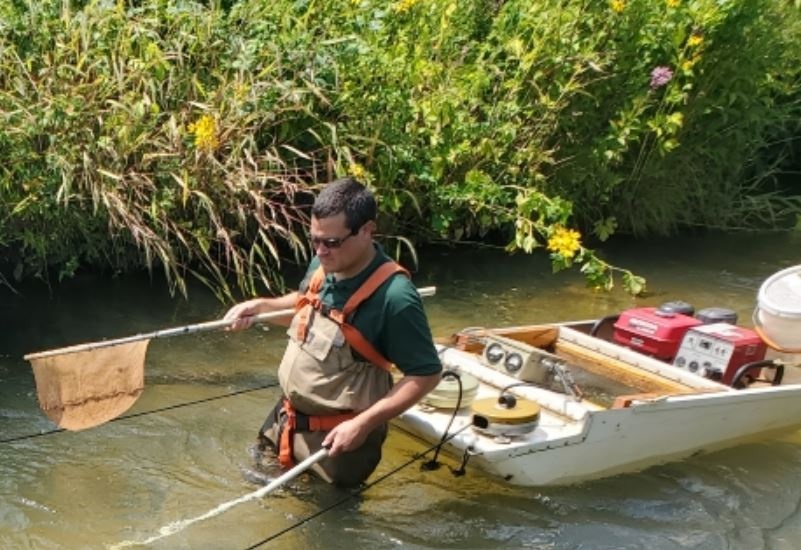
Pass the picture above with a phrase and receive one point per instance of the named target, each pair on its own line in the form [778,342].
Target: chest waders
[325,385]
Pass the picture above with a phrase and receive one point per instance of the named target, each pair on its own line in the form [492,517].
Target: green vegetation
[190,135]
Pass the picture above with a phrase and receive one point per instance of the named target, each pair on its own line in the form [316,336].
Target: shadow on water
[134,476]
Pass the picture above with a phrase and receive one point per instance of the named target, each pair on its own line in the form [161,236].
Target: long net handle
[179,331]
[163,333]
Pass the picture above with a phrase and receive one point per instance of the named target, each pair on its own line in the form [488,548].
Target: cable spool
[505,417]
[446,394]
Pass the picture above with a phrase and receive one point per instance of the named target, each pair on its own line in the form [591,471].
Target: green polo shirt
[392,319]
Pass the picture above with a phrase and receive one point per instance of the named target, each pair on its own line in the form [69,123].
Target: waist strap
[295,421]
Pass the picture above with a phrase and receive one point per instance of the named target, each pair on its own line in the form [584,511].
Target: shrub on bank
[189,135]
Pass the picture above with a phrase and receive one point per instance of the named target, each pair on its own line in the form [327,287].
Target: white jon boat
[558,404]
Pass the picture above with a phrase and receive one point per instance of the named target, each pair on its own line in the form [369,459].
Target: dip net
[83,388]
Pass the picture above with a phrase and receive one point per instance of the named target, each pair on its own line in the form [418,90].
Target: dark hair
[349,196]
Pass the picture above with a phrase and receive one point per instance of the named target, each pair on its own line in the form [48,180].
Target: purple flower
[660,76]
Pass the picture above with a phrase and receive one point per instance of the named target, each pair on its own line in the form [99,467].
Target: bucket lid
[780,294]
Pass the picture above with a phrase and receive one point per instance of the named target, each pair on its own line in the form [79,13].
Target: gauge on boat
[494,353]
[513,363]
[518,359]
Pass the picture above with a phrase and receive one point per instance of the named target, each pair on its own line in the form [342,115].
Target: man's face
[339,250]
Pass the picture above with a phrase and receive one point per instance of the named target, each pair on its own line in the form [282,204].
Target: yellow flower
[617,5]
[690,63]
[565,242]
[241,91]
[358,171]
[516,46]
[404,5]
[205,131]
[695,40]
[672,3]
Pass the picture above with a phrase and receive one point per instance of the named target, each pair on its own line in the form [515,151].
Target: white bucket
[778,313]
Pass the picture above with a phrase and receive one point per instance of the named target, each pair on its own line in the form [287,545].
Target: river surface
[128,479]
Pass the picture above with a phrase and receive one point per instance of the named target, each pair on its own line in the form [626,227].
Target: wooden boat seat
[539,336]
[615,369]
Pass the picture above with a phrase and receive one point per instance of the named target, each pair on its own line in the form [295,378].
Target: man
[357,312]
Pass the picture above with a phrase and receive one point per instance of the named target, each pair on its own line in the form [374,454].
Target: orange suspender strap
[358,342]
[311,296]
[317,279]
[355,338]
[375,280]
[285,447]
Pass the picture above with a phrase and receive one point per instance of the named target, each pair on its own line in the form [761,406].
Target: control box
[518,359]
[718,350]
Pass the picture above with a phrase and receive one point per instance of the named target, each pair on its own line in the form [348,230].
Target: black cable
[516,384]
[354,494]
[31,436]
[462,469]
[145,413]
[433,464]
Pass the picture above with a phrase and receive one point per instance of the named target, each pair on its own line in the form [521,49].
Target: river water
[126,480]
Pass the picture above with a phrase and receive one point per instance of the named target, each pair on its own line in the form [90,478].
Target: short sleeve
[407,336]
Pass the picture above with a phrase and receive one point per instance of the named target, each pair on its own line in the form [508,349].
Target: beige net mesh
[79,390]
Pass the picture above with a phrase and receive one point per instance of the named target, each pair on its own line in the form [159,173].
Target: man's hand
[347,436]
[242,314]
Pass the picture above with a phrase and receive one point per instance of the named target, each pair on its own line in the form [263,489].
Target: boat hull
[578,441]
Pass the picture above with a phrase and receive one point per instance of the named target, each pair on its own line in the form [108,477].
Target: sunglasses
[331,242]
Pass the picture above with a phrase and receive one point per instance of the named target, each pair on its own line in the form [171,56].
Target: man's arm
[243,313]
[351,434]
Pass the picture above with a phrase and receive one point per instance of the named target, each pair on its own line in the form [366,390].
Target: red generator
[718,350]
[653,331]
